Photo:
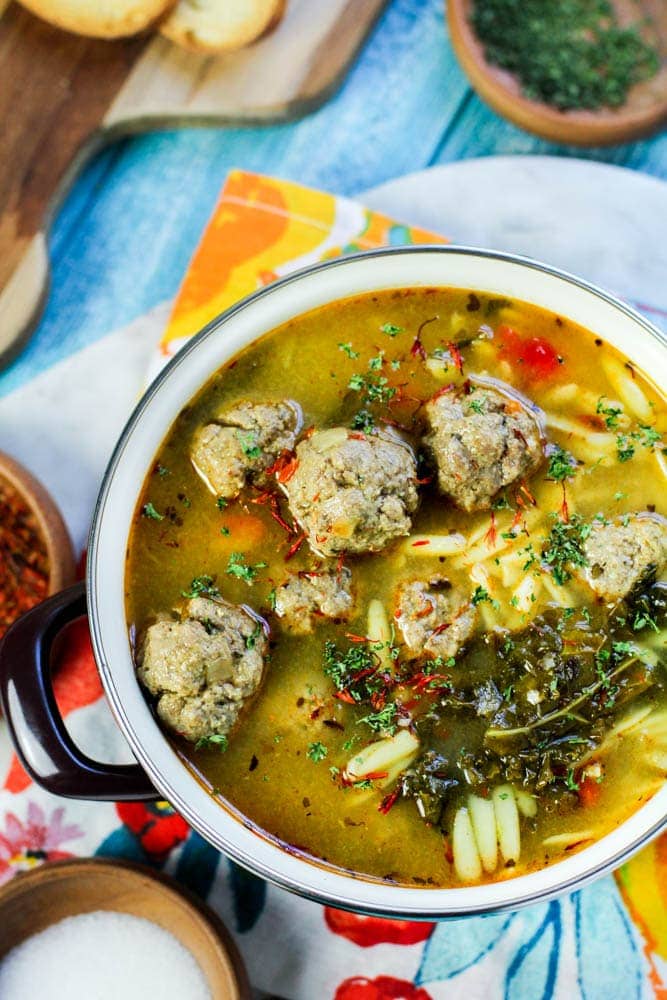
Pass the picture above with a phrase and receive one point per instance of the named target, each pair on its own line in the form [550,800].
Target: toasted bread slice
[220,25]
[101,19]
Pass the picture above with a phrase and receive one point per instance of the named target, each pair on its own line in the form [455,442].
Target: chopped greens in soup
[397,582]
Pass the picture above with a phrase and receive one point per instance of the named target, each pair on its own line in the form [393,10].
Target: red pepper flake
[457,357]
[284,466]
[425,611]
[288,469]
[524,489]
[420,542]
[429,682]
[418,350]
[491,537]
[440,629]
[24,562]
[272,499]
[424,481]
[294,547]
[345,696]
[340,563]
[353,637]
[277,516]
[364,672]
[376,775]
[564,508]
[394,423]
[388,801]
[378,700]
[356,436]
[443,391]
[449,853]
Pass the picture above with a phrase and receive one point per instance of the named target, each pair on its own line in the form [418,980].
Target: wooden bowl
[644,112]
[62,566]
[32,901]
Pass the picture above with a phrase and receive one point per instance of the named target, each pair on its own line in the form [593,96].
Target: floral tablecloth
[608,940]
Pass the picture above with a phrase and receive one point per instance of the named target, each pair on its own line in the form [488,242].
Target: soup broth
[547,726]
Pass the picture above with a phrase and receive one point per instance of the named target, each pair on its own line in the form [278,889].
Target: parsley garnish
[216,740]
[347,349]
[624,448]
[363,421]
[646,436]
[562,465]
[374,387]
[317,751]
[238,567]
[642,619]
[383,721]
[356,671]
[221,503]
[481,594]
[249,446]
[501,503]
[225,530]
[570,781]
[564,547]
[610,413]
[202,586]
[148,510]
[391,330]
[477,405]
[251,640]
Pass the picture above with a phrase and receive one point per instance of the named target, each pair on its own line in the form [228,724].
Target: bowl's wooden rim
[60,552]
[144,879]
[583,128]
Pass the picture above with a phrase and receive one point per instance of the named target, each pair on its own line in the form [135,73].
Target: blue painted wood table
[124,235]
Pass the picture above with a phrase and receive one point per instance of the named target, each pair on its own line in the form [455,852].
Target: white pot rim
[220,824]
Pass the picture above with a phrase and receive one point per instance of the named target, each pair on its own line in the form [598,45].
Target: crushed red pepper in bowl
[24,561]
[36,554]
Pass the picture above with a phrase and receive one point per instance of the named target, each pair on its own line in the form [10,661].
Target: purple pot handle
[42,742]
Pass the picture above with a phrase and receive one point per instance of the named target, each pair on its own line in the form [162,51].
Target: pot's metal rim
[171,793]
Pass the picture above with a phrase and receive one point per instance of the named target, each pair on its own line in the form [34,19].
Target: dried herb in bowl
[572,54]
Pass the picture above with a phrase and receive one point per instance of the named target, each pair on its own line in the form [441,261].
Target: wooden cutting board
[62,97]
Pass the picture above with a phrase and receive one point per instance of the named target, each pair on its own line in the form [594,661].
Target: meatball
[304,596]
[352,492]
[242,443]
[433,617]
[479,443]
[203,668]
[621,555]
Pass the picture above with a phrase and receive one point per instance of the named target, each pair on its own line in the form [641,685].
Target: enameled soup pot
[38,731]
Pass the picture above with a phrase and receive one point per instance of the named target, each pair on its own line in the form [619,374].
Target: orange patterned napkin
[263,228]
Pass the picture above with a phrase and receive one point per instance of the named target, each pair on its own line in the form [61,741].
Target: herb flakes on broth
[397,582]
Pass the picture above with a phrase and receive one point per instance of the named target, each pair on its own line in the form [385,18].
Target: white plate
[604,223]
